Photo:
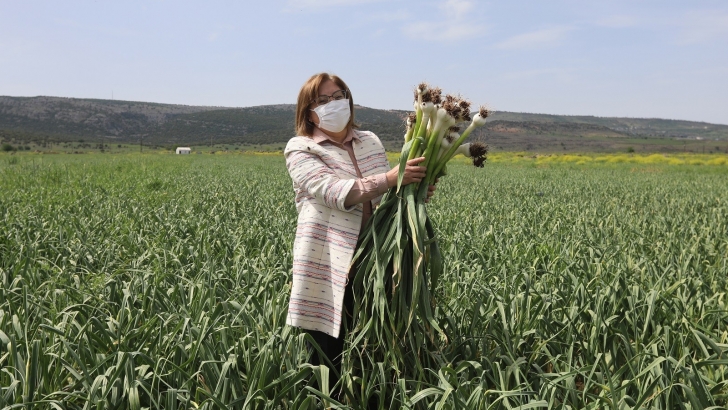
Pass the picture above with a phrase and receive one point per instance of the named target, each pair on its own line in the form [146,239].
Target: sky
[637,58]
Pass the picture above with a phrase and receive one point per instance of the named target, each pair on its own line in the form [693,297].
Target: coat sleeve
[383,166]
[309,172]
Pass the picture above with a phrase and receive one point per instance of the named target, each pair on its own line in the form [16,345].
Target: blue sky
[666,59]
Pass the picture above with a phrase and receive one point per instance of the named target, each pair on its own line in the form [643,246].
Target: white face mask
[334,115]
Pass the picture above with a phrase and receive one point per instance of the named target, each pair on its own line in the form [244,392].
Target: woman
[339,174]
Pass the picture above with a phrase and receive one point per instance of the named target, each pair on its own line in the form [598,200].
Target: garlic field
[162,281]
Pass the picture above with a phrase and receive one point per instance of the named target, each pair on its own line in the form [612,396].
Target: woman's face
[328,87]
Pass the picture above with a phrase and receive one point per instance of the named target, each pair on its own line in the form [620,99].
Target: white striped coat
[327,232]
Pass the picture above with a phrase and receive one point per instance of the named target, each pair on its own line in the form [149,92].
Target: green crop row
[132,282]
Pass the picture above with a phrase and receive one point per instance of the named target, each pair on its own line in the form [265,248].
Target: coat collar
[320,137]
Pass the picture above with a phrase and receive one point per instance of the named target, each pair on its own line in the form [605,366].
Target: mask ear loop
[308,120]
[317,113]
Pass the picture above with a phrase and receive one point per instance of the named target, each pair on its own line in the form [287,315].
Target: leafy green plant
[607,291]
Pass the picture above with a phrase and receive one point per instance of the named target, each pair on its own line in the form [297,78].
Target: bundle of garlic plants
[398,261]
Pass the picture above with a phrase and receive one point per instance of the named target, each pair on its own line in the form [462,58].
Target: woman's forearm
[366,189]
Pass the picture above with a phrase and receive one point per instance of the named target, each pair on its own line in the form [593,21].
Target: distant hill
[35,119]
[653,127]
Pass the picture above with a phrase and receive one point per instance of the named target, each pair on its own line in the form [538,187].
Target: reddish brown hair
[308,93]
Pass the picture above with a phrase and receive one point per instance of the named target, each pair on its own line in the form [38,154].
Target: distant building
[184,150]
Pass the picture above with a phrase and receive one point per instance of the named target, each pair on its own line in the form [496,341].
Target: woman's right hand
[412,173]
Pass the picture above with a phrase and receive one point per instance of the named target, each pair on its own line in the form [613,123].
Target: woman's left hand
[430,191]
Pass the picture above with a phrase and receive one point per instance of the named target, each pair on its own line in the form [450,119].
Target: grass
[162,281]
[107,147]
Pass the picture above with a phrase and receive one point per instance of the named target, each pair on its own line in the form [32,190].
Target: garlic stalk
[419,98]
[426,107]
[411,122]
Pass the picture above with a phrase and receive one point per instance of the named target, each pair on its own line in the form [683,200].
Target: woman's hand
[431,191]
[412,173]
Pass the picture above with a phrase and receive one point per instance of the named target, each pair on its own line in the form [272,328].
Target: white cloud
[304,31]
[391,16]
[457,9]
[219,31]
[442,31]
[457,24]
[320,4]
[617,21]
[702,26]
[379,33]
[561,73]
[548,37]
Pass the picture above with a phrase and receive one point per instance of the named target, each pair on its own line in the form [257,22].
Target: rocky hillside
[36,119]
